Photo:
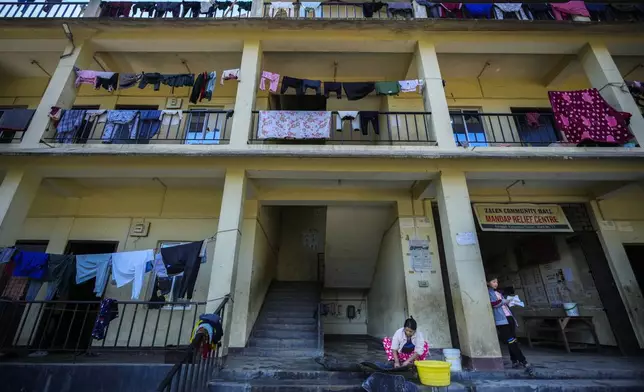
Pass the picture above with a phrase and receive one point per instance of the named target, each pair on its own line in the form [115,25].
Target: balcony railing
[388,128]
[175,9]
[42,9]
[192,127]
[66,327]
[329,10]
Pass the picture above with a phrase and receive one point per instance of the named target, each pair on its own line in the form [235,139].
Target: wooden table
[562,325]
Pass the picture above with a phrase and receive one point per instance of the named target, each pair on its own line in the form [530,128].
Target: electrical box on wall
[139,229]
[174,103]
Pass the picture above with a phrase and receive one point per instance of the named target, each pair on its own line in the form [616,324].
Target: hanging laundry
[130,267]
[310,6]
[115,9]
[367,117]
[166,8]
[387,88]
[311,84]
[6,254]
[30,264]
[149,124]
[411,86]
[210,85]
[368,9]
[178,80]
[171,117]
[110,84]
[406,10]
[570,9]
[153,78]
[599,12]
[107,312]
[15,120]
[143,7]
[431,7]
[286,124]
[98,115]
[351,116]
[333,87]
[294,83]
[128,80]
[281,9]
[584,115]
[479,10]
[533,119]
[186,258]
[207,7]
[49,5]
[120,125]
[514,10]
[54,114]
[273,80]
[191,7]
[627,11]
[89,76]
[69,125]
[94,266]
[245,5]
[26,6]
[230,74]
[209,325]
[451,10]
[60,269]
[199,88]
[358,90]
[540,11]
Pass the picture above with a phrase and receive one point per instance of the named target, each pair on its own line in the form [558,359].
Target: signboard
[522,217]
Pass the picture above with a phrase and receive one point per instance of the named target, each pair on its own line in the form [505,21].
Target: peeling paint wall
[297,261]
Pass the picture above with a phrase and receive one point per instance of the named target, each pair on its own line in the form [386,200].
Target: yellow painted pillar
[17,192]
[476,330]
[60,91]
[434,94]
[250,70]
[224,259]
[603,75]
[93,9]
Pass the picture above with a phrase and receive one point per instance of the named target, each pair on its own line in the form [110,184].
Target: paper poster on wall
[466,238]
[419,256]
[423,222]
[522,217]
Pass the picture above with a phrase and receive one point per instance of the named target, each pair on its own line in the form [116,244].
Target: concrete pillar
[426,303]
[93,9]
[604,75]
[60,91]
[476,330]
[239,334]
[17,192]
[434,94]
[250,70]
[224,259]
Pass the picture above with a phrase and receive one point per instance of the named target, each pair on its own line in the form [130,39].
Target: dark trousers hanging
[365,119]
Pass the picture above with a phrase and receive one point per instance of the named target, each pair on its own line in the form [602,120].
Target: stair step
[282,343]
[286,334]
[286,327]
[241,375]
[557,385]
[286,320]
[286,386]
[308,353]
[290,305]
[290,313]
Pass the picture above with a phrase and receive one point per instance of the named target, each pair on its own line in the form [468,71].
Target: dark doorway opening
[635,253]
[68,326]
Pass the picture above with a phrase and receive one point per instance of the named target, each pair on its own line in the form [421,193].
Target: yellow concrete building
[341,211]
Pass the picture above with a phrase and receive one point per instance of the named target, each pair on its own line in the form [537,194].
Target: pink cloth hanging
[585,115]
[533,119]
[576,8]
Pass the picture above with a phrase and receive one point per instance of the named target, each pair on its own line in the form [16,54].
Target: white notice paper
[420,259]
[467,238]
[406,223]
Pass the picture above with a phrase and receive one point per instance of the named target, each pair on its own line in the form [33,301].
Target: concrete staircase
[287,325]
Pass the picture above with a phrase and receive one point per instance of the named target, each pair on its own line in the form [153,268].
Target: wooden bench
[562,325]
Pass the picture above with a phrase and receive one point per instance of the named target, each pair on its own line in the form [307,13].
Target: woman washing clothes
[406,346]
[506,325]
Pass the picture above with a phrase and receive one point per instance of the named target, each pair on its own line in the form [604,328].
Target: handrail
[196,378]
[320,330]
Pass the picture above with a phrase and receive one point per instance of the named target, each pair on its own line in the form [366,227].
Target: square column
[17,192]
[228,241]
[434,94]
[60,91]
[473,312]
[603,75]
[249,73]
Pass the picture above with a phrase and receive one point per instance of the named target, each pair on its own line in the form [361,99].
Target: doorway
[68,326]
[635,253]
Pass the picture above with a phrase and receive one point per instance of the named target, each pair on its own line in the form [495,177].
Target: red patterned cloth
[584,115]
[402,357]
[286,124]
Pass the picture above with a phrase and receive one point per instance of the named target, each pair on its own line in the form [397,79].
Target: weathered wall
[297,261]
[336,321]
[387,302]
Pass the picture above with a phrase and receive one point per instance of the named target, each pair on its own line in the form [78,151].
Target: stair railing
[194,369]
